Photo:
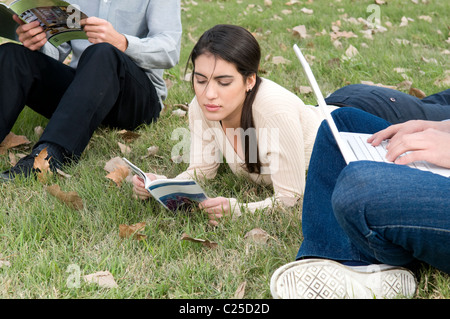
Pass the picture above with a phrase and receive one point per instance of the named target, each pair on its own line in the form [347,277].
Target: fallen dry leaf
[12,140]
[114,163]
[102,278]
[350,53]
[337,44]
[300,31]
[305,89]
[405,85]
[417,93]
[12,159]
[38,130]
[127,231]
[443,82]
[257,235]
[292,2]
[405,21]
[206,243]
[128,136]
[426,18]
[379,84]
[342,34]
[61,173]
[152,150]
[307,11]
[41,163]
[430,60]
[280,60]
[179,112]
[71,199]
[124,149]
[4,263]
[119,174]
[240,291]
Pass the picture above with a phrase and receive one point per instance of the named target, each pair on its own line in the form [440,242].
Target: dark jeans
[369,211]
[392,105]
[106,88]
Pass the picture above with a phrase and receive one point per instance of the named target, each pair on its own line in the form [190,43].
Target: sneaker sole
[327,279]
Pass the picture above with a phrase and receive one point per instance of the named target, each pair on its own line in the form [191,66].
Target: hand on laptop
[421,140]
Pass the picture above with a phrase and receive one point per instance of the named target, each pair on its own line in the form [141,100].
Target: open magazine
[59,19]
[173,194]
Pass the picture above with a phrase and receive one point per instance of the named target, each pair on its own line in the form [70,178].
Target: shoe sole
[327,279]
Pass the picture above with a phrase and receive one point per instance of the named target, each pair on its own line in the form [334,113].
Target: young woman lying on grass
[262,130]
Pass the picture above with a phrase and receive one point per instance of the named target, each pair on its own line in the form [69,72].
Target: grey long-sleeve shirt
[152,28]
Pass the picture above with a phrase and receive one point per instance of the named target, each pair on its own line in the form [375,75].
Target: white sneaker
[327,279]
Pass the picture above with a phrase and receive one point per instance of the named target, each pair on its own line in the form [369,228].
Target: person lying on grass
[261,129]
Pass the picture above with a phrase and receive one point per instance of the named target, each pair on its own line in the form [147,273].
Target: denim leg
[442,98]
[392,105]
[395,214]
[323,236]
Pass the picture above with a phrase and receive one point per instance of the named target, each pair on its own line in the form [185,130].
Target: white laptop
[354,146]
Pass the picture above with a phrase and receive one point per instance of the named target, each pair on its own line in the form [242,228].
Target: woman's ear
[251,81]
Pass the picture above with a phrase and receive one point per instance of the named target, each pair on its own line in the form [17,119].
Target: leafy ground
[47,247]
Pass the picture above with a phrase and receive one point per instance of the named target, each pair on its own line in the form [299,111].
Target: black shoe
[25,166]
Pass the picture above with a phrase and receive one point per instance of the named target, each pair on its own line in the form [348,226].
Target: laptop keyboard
[365,151]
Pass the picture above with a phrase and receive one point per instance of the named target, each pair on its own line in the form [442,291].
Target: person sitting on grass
[115,77]
[367,224]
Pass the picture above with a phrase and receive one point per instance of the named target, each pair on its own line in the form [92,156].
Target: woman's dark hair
[236,45]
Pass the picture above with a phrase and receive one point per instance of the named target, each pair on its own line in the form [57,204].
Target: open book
[173,194]
[60,19]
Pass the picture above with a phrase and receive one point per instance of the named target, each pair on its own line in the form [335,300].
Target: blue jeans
[392,105]
[372,212]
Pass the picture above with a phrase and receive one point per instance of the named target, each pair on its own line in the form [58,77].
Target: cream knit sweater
[285,128]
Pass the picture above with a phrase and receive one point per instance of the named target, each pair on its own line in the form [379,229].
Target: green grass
[42,237]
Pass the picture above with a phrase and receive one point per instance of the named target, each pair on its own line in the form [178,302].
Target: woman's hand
[139,188]
[99,31]
[216,208]
[421,140]
[31,34]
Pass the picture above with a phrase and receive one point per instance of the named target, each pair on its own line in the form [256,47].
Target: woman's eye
[200,81]
[224,83]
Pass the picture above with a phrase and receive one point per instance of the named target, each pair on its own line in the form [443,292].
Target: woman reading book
[261,129]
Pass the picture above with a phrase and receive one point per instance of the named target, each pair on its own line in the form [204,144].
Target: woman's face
[220,89]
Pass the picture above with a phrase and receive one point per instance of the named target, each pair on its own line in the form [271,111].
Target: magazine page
[174,194]
[138,172]
[59,19]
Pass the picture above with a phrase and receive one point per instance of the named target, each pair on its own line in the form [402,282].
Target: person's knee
[11,50]
[353,189]
[99,53]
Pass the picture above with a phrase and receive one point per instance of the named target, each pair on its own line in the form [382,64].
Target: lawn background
[42,240]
